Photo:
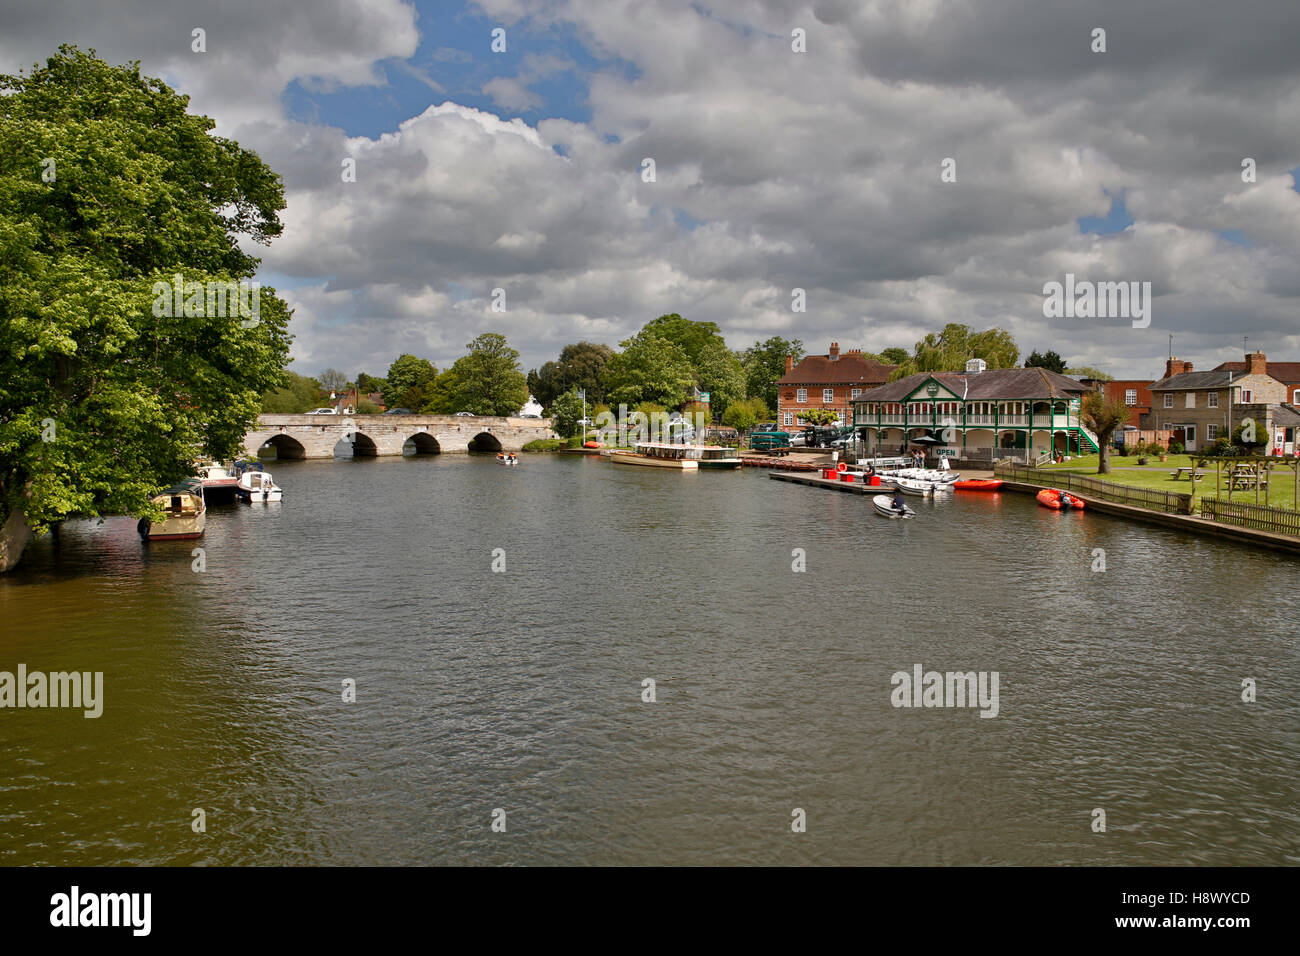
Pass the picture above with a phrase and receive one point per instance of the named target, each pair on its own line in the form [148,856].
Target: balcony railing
[972,421]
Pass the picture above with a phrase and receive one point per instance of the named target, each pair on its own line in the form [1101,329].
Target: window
[1169,400]
[801,395]
[828,396]
[1295,397]
[1246,396]
[1191,399]
[855,393]
[789,419]
[1212,432]
[1130,396]
[1211,399]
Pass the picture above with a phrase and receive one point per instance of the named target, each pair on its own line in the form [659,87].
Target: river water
[521,690]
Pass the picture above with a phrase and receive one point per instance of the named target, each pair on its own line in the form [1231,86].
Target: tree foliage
[581,365]
[649,369]
[488,380]
[764,364]
[566,411]
[949,350]
[107,187]
[1103,414]
[410,380]
[1048,360]
[298,394]
[746,413]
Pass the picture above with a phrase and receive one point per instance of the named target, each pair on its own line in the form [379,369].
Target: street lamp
[582,394]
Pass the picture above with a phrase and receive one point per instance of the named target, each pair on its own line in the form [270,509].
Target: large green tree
[949,350]
[409,383]
[719,372]
[488,379]
[650,369]
[581,365]
[764,364]
[690,336]
[110,189]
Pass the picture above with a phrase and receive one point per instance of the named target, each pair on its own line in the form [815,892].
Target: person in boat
[898,502]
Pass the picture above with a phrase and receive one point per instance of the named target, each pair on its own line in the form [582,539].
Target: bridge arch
[363,446]
[421,443]
[484,442]
[283,448]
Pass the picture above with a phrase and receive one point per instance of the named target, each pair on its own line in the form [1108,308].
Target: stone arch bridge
[316,436]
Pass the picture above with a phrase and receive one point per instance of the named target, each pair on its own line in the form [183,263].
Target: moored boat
[256,485]
[978,484]
[658,455]
[718,457]
[1058,500]
[184,513]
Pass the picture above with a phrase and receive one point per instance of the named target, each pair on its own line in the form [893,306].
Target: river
[521,690]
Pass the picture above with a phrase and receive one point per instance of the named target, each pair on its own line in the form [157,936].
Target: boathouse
[979,414]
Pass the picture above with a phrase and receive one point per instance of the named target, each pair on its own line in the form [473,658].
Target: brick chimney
[1176,367]
[789,363]
[1256,363]
[835,352]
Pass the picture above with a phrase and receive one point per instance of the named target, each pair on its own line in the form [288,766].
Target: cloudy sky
[774,169]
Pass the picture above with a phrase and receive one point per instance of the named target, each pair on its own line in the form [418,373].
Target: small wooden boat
[1058,500]
[184,513]
[256,485]
[884,506]
[978,484]
[506,458]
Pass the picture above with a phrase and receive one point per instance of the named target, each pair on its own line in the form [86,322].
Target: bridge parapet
[315,436]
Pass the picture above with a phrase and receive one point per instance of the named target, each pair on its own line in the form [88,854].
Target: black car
[399,411]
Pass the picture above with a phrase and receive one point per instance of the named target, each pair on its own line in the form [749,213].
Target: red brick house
[832,381]
[1133,392]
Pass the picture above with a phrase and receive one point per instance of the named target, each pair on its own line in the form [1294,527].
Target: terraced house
[985,414]
[1201,406]
[831,381]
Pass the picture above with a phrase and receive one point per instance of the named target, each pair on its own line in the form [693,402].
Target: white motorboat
[506,458]
[884,505]
[913,486]
[258,486]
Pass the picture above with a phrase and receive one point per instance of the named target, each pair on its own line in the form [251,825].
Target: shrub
[544,444]
[1176,448]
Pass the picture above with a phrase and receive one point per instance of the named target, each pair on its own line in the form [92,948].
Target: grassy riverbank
[1157,475]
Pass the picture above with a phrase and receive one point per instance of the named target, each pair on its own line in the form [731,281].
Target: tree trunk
[14,535]
[1103,458]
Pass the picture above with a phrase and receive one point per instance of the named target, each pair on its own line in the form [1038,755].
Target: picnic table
[1193,474]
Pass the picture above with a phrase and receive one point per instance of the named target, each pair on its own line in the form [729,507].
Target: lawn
[1126,471]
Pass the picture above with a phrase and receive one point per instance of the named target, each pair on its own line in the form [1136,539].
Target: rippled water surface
[522,690]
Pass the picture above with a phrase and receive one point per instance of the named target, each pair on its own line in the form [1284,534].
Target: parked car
[582,421]
[530,416]
[464,414]
[797,440]
[399,411]
[323,411]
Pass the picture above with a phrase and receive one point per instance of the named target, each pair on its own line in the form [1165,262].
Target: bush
[1155,448]
[545,444]
[1176,448]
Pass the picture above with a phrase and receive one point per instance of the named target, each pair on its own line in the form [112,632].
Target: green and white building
[980,414]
